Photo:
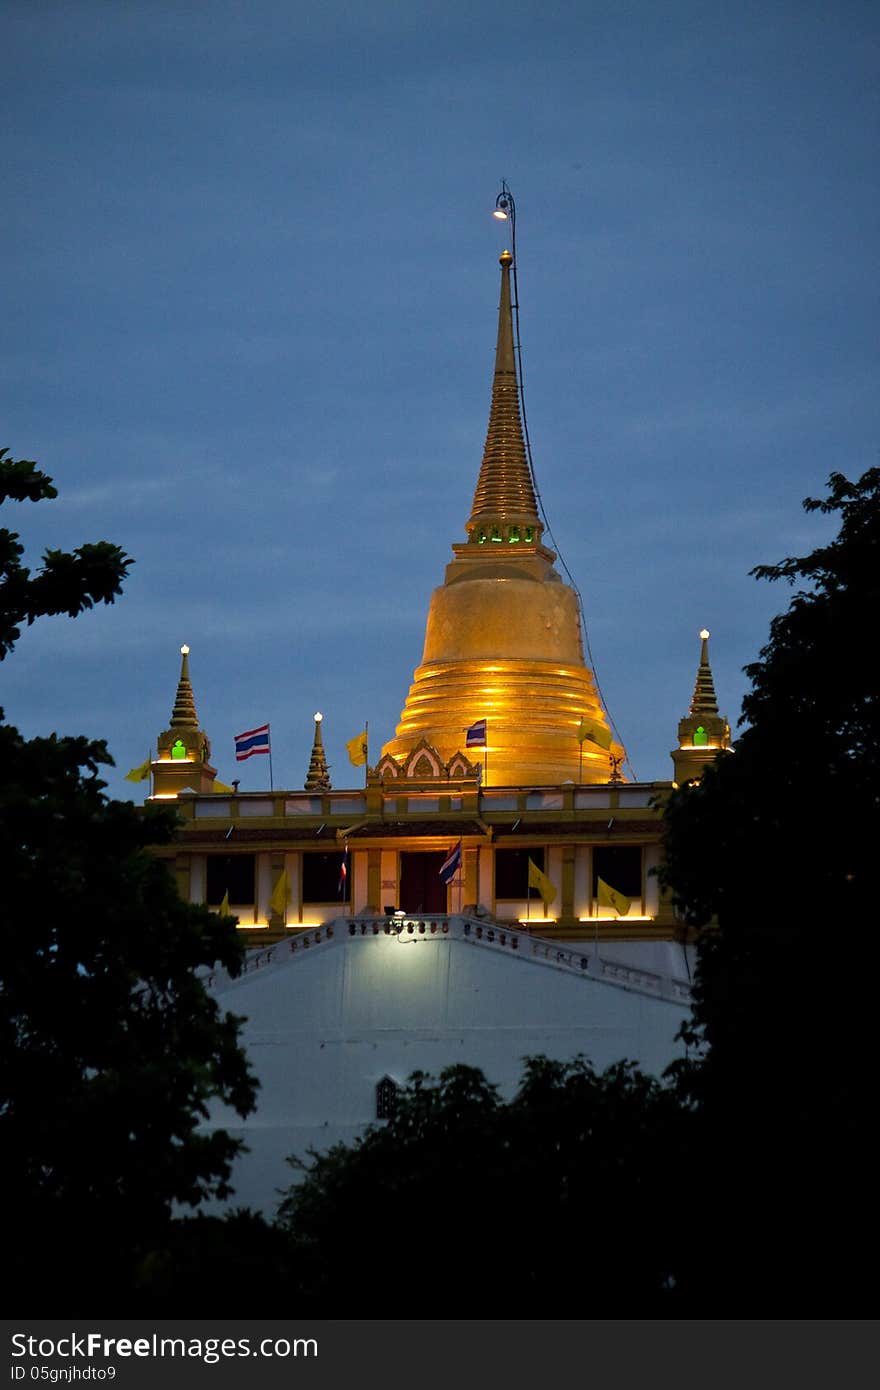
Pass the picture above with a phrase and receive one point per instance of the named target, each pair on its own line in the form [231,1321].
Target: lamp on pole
[505,211]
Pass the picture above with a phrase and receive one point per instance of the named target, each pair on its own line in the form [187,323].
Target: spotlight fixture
[505,208]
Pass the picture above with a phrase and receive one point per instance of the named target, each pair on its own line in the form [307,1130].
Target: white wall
[325,1024]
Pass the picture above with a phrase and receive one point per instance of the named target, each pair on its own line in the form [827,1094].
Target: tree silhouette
[775,848]
[556,1202]
[111,1047]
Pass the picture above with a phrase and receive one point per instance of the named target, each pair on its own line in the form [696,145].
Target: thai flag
[451,864]
[251,742]
[476,735]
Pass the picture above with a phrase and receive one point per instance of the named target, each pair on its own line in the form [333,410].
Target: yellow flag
[224,906]
[357,749]
[609,897]
[541,882]
[221,787]
[139,774]
[280,893]
[594,731]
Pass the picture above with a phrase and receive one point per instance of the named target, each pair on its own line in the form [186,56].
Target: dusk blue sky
[250,285]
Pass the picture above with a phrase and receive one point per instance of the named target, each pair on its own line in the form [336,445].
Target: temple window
[701,738]
[322,878]
[512,872]
[513,535]
[496,535]
[178,750]
[481,537]
[529,535]
[232,875]
[620,866]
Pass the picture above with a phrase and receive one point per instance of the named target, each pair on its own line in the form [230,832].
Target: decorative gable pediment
[387,767]
[423,762]
[460,766]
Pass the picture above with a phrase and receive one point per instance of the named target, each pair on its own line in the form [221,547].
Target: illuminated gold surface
[532,704]
[503,639]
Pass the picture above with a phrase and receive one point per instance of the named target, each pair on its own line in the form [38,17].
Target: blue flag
[250,742]
[476,735]
[451,864]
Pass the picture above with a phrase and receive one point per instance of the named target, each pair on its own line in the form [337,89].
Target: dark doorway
[421,887]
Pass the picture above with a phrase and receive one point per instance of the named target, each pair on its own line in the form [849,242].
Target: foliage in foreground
[111,1047]
[776,848]
[485,1206]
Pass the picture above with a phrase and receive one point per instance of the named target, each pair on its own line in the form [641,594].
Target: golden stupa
[503,640]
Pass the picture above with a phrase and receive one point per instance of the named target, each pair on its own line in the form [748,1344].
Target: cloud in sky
[251,284]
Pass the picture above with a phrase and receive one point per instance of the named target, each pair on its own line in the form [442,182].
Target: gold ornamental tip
[505,258]
[318,716]
[704,633]
[184,651]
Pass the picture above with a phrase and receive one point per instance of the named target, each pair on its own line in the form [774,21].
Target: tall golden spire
[505,510]
[503,637]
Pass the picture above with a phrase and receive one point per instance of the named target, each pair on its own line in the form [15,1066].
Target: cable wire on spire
[505,210]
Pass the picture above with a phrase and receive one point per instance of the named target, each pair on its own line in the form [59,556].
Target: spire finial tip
[505,258]
[704,633]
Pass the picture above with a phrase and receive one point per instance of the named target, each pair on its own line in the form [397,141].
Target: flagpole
[271,779]
[477,904]
[366,750]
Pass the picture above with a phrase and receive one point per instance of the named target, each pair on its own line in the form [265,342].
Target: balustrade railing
[475,931]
